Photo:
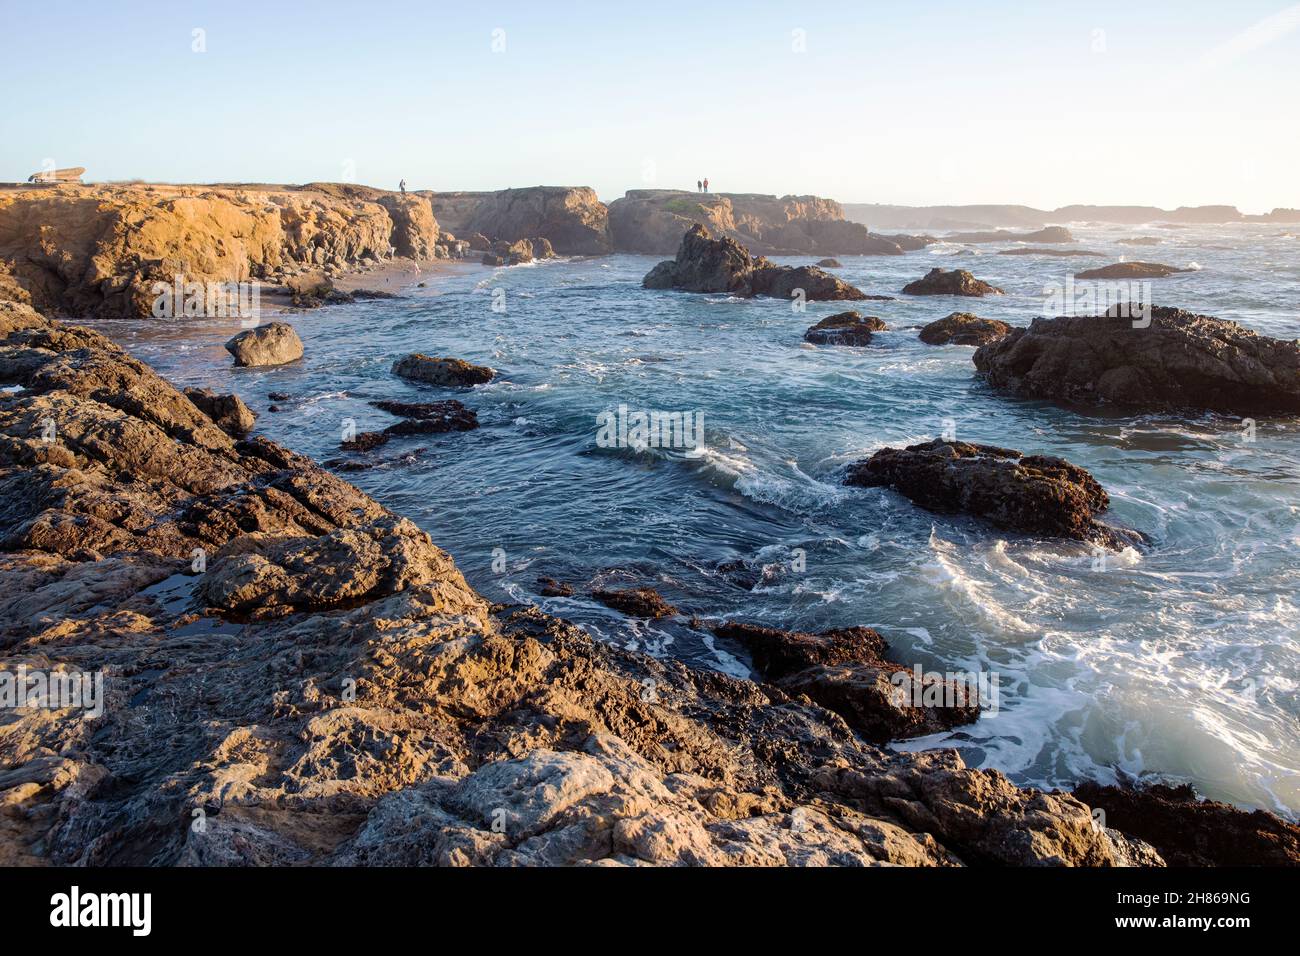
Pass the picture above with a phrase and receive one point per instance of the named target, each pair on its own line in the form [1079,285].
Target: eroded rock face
[324,688]
[846,671]
[1179,361]
[1187,831]
[228,412]
[448,372]
[275,343]
[1034,494]
[1131,270]
[963,328]
[845,328]
[571,218]
[950,282]
[705,264]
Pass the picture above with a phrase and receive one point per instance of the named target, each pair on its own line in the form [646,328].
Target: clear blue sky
[1170,103]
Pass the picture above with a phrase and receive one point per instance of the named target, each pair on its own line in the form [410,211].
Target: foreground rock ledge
[329,690]
[1181,361]
[1035,494]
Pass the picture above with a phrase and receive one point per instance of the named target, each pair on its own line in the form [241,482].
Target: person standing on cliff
[402,186]
[699,186]
[706,183]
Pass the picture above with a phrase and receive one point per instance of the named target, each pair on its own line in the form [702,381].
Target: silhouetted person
[402,185]
[699,186]
[706,185]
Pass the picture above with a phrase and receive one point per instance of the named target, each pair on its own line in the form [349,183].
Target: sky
[1153,103]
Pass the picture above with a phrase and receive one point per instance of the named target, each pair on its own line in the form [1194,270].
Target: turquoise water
[1179,662]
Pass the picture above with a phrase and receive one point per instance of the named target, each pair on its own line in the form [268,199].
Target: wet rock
[228,412]
[705,264]
[365,441]
[549,587]
[1179,361]
[447,372]
[950,282]
[429,417]
[636,602]
[1131,270]
[830,263]
[571,218]
[1034,494]
[846,671]
[963,328]
[845,328]
[1187,831]
[275,343]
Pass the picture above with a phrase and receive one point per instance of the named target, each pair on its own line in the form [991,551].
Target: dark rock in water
[1034,494]
[963,328]
[845,670]
[1190,832]
[1179,361]
[846,328]
[419,409]
[313,290]
[451,372]
[434,418]
[830,263]
[365,441]
[275,343]
[1131,270]
[1030,251]
[636,602]
[492,259]
[705,264]
[278,396]
[549,587]
[229,412]
[950,282]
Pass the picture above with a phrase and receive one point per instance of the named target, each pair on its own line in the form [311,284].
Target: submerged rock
[636,602]
[1131,270]
[950,282]
[963,328]
[365,441]
[275,343]
[830,263]
[450,372]
[1179,361]
[705,264]
[845,328]
[845,670]
[428,417]
[1034,494]
[1190,832]
[549,587]
[228,412]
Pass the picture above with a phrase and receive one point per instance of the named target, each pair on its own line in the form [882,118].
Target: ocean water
[1180,663]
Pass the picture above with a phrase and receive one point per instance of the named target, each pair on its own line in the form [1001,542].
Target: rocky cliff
[572,218]
[654,220]
[98,250]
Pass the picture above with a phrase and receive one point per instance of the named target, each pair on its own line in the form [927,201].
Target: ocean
[1180,663]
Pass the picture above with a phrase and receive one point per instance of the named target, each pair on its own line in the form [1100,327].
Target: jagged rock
[845,670]
[1180,361]
[963,328]
[950,282]
[448,372]
[830,263]
[492,259]
[705,264]
[415,230]
[542,248]
[845,328]
[431,418]
[572,218]
[275,343]
[365,441]
[549,587]
[1187,831]
[1035,494]
[1131,270]
[479,242]
[228,412]
[636,602]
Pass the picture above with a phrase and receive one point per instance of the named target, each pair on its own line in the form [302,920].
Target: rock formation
[1034,494]
[950,282]
[275,343]
[1131,270]
[1179,361]
[448,372]
[963,328]
[571,218]
[310,679]
[845,328]
[705,264]
[228,412]
[655,220]
[846,671]
[101,250]
[635,602]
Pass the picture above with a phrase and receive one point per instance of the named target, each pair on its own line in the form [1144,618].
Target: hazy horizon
[1171,105]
